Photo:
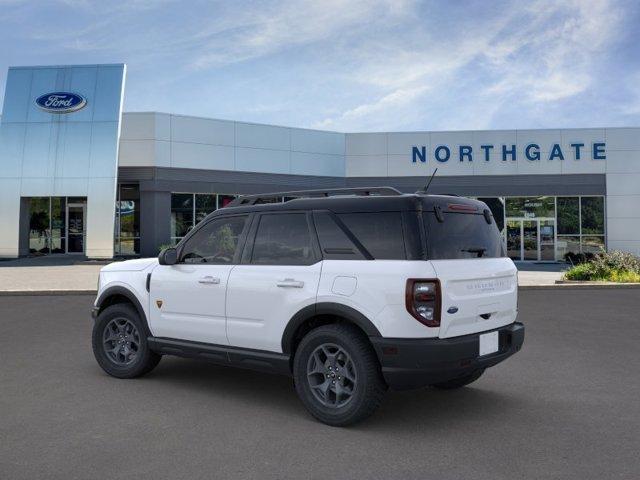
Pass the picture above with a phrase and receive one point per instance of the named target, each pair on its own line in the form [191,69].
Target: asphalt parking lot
[567,406]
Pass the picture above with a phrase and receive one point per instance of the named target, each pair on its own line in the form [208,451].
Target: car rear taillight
[423,301]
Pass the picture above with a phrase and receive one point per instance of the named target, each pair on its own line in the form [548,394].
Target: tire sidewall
[341,415]
[121,371]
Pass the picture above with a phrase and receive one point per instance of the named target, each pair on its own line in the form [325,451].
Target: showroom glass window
[39,225]
[580,220]
[127,231]
[182,215]
[48,229]
[592,223]
[581,225]
[530,207]
[189,209]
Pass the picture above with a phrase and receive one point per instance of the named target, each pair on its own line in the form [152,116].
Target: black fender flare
[125,292]
[326,308]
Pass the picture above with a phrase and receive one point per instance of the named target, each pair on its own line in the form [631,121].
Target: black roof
[356,204]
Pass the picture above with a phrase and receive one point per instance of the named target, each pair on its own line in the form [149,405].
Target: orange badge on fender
[159,303]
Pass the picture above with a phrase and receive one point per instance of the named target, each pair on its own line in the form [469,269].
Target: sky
[351,65]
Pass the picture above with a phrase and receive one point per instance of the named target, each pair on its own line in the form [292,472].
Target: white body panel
[379,294]
[193,302]
[130,275]
[249,306]
[482,286]
[261,299]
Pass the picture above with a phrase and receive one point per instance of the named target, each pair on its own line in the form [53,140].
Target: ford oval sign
[61,102]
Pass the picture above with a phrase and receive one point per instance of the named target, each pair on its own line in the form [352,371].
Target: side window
[335,244]
[379,232]
[215,243]
[283,239]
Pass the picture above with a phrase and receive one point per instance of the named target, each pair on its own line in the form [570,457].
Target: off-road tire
[144,359]
[368,389]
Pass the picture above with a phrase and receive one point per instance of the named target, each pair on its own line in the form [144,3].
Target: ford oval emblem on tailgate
[452,310]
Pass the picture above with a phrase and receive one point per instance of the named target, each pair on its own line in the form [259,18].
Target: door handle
[290,283]
[209,280]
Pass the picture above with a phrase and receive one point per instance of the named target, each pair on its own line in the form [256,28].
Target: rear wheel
[337,375]
[460,381]
[120,343]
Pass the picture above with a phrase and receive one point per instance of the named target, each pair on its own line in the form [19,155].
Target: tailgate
[484,291]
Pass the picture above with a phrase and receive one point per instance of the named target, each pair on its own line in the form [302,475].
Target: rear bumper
[413,363]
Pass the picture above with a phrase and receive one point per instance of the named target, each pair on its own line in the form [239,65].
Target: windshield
[462,235]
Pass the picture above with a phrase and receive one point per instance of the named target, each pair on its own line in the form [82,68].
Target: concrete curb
[17,293]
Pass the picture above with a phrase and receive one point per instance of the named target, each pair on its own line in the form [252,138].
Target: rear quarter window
[380,233]
[462,235]
[334,242]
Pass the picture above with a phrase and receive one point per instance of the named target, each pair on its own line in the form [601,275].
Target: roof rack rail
[245,200]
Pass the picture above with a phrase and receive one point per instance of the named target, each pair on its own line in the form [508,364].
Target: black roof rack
[422,192]
[246,200]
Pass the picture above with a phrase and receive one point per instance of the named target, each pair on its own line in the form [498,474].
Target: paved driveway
[63,273]
[565,407]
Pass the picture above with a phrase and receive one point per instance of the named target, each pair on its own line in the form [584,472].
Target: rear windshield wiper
[478,250]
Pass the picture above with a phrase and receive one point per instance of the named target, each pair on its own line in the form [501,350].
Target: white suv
[349,291]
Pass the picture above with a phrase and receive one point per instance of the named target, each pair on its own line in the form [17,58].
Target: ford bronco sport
[349,291]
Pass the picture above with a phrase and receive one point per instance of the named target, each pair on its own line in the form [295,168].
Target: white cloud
[558,64]
[345,64]
[534,55]
[252,33]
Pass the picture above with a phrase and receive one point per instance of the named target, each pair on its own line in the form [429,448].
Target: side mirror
[168,256]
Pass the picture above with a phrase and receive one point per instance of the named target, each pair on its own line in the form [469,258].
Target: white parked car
[349,292]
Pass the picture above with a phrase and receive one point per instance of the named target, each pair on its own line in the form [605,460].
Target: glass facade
[543,228]
[188,209]
[580,225]
[127,227]
[39,225]
[530,207]
[546,228]
[57,225]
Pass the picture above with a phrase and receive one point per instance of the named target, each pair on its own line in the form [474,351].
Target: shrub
[578,258]
[616,260]
[582,271]
[614,266]
[624,276]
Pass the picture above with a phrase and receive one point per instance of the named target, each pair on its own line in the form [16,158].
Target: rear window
[380,233]
[462,235]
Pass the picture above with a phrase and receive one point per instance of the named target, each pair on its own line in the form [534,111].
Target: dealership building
[79,176]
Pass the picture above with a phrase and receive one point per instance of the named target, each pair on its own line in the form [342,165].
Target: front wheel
[120,344]
[337,375]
